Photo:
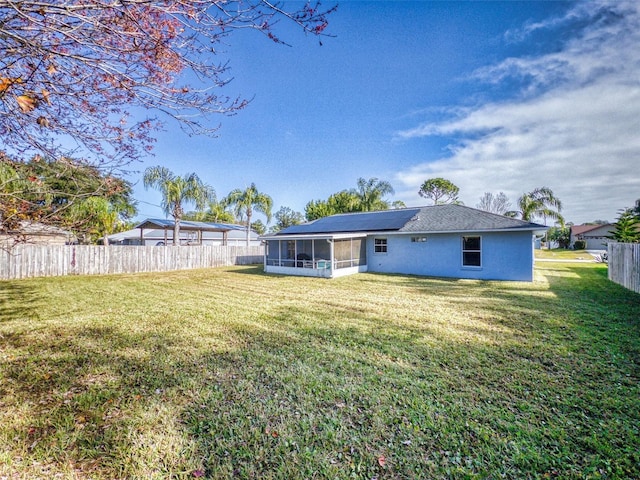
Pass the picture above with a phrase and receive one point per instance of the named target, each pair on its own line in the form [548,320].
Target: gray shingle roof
[436,218]
[455,218]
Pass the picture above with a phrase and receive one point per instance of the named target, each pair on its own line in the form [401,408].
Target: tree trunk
[248,226]
[177,215]
[176,232]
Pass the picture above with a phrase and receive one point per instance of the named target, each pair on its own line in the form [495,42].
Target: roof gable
[580,229]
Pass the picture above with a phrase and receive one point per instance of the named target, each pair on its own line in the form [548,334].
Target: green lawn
[233,373]
[562,254]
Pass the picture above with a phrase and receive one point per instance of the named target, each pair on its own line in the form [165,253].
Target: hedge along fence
[624,264]
[25,261]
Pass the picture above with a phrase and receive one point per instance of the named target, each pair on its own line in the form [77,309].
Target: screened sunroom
[326,256]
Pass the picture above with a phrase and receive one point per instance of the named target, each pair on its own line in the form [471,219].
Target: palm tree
[96,217]
[540,202]
[176,191]
[246,201]
[370,193]
[216,212]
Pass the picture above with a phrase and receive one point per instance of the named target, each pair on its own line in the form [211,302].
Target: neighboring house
[36,233]
[157,232]
[595,236]
[440,240]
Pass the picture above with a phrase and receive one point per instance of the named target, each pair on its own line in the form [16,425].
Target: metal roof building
[154,231]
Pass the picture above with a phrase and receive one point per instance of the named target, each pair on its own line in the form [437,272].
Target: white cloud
[574,129]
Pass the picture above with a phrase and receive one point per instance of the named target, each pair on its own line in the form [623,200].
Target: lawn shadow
[17,300]
[101,400]
[257,270]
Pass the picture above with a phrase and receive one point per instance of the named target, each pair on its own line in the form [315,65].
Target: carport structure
[193,230]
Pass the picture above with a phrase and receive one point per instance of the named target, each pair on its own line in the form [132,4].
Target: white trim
[432,232]
[299,272]
[313,272]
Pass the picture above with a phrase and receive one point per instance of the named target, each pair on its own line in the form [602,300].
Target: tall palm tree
[244,203]
[176,191]
[370,193]
[540,202]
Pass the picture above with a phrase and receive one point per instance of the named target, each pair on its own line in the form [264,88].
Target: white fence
[624,264]
[24,261]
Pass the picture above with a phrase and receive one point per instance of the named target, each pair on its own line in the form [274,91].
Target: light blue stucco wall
[505,256]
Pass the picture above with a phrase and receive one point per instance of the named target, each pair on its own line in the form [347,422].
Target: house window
[418,239]
[471,252]
[380,245]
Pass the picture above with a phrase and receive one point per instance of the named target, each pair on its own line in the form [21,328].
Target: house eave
[314,236]
[540,229]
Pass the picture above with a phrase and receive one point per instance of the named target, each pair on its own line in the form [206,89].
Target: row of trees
[77,196]
[538,203]
[368,196]
[180,190]
[239,205]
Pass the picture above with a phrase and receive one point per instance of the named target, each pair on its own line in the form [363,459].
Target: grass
[562,254]
[233,373]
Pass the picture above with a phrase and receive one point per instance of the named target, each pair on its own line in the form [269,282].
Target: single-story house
[595,236]
[37,233]
[158,232]
[439,240]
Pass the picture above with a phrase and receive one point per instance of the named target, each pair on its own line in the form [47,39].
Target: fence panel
[26,261]
[624,264]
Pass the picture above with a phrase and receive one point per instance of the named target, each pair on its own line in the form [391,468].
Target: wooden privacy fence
[624,264]
[24,261]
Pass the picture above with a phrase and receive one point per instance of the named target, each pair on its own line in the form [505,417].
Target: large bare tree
[499,203]
[72,72]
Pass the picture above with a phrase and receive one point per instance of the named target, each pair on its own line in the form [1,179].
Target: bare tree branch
[73,71]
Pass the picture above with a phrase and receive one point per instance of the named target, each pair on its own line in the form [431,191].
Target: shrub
[579,245]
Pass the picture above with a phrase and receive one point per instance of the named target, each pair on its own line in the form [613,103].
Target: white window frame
[383,245]
[463,250]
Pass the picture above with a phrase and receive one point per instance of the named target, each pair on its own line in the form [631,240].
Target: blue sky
[494,96]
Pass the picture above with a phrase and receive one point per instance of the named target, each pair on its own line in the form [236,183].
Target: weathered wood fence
[24,261]
[624,264]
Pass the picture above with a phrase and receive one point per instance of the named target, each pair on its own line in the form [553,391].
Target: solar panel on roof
[356,222]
